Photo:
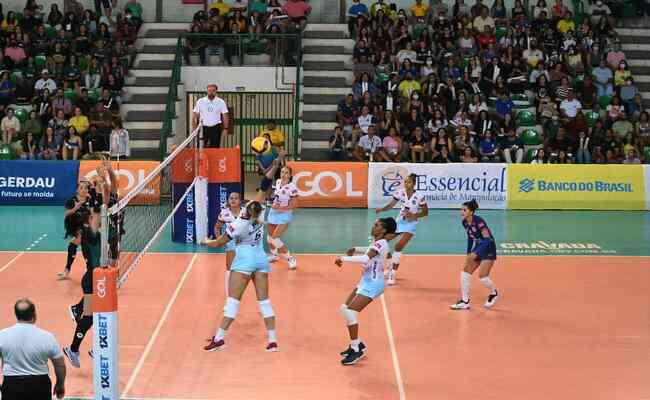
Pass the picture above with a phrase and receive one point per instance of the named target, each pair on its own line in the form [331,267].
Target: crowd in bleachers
[61,78]
[483,83]
[248,20]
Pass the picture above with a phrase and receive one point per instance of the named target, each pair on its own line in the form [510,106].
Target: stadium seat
[525,118]
[70,95]
[39,61]
[646,155]
[19,17]
[603,101]
[530,155]
[50,31]
[93,95]
[5,152]
[83,63]
[592,117]
[21,114]
[531,137]
[14,76]
[500,32]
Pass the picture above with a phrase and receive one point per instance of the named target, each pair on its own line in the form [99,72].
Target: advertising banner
[591,187]
[37,182]
[129,175]
[184,224]
[443,185]
[105,330]
[331,184]
[223,165]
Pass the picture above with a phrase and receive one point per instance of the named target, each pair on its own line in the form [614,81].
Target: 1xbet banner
[572,187]
[37,182]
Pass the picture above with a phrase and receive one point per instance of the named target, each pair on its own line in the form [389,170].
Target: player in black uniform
[76,209]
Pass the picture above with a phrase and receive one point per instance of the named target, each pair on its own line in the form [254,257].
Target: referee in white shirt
[24,351]
[212,112]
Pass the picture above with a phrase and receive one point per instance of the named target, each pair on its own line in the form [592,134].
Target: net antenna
[133,225]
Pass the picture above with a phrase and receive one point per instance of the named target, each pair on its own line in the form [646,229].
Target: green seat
[525,118]
[5,152]
[577,81]
[21,114]
[50,31]
[500,32]
[39,62]
[592,117]
[530,155]
[93,95]
[531,137]
[70,94]
[83,63]
[15,74]
[646,154]
[19,17]
[603,101]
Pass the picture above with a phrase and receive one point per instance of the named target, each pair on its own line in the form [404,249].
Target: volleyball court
[565,328]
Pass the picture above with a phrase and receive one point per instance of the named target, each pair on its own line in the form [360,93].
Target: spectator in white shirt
[25,350]
[45,82]
[10,126]
[365,119]
[570,106]
[369,147]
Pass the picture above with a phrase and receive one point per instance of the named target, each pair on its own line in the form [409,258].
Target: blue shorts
[230,246]
[249,259]
[279,217]
[485,250]
[370,289]
[404,226]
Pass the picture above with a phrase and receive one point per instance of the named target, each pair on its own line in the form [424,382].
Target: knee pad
[232,308]
[350,315]
[276,242]
[397,255]
[266,309]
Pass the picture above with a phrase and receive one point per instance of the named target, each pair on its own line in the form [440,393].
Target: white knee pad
[277,243]
[349,315]
[396,257]
[265,308]
[232,308]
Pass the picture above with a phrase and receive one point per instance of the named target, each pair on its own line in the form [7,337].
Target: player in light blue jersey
[414,207]
[370,286]
[250,263]
[481,254]
[228,215]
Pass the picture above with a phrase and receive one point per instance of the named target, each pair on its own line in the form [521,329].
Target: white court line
[13,260]
[156,332]
[393,350]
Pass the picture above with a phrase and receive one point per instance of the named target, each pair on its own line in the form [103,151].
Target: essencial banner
[443,185]
[37,182]
[573,187]
[129,175]
[105,331]
[331,184]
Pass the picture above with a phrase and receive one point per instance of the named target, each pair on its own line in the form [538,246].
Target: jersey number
[258,236]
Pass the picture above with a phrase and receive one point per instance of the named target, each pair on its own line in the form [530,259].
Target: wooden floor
[565,328]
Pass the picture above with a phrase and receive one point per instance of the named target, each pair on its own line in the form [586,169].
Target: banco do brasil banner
[443,185]
[562,186]
[37,182]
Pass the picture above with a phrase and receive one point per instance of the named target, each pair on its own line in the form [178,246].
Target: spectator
[504,105]
[583,153]
[512,148]
[346,111]
[15,55]
[119,140]
[29,148]
[622,74]
[195,45]
[59,123]
[50,145]
[10,126]
[60,102]
[631,157]
[33,125]
[337,145]
[443,157]
[356,10]
[570,107]
[418,144]
[7,89]
[297,11]
[604,78]
[540,157]
[369,147]
[393,145]
[276,135]
[468,156]
[45,82]
[72,144]
[25,350]
[488,148]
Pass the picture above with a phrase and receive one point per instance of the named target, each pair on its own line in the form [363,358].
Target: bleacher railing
[285,51]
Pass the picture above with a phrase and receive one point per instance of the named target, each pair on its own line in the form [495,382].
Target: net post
[103,235]
[201,192]
[105,332]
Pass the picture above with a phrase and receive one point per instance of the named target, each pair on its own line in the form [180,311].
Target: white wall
[245,79]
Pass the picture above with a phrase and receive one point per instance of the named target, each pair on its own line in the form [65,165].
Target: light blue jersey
[372,281]
[226,216]
[412,205]
[249,247]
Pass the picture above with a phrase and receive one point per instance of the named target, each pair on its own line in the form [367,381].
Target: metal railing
[285,50]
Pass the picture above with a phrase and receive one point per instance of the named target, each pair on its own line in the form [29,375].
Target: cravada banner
[129,175]
[443,185]
[562,186]
[331,184]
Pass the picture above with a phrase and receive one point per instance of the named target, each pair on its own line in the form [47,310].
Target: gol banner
[129,175]
[331,184]
[561,186]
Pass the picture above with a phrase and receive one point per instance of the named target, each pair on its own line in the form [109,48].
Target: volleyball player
[369,287]
[76,209]
[91,248]
[285,200]
[250,264]
[228,215]
[481,254]
[414,207]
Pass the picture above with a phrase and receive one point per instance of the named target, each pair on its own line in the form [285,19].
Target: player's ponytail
[253,209]
[471,205]
[389,224]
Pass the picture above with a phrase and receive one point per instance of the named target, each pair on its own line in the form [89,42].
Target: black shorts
[87,281]
[265,184]
[34,387]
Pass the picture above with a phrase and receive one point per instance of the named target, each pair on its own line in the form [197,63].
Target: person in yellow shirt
[276,135]
[566,23]
[223,8]
[80,122]
[408,86]
[419,10]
